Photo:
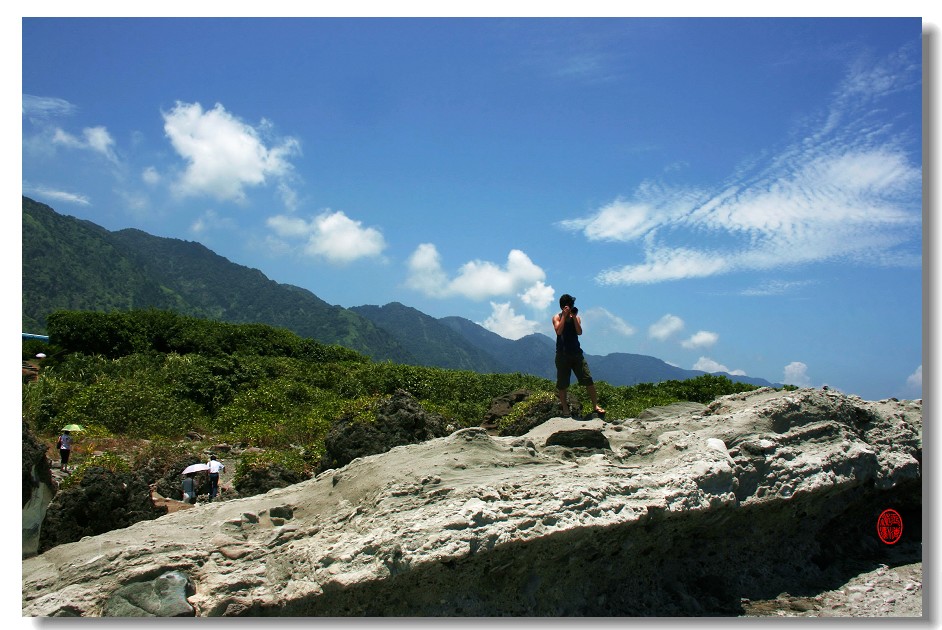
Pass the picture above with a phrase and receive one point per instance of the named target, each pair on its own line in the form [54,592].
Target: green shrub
[135,408]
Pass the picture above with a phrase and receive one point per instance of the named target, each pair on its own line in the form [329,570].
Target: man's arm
[559,320]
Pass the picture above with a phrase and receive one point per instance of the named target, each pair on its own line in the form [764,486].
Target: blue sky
[740,195]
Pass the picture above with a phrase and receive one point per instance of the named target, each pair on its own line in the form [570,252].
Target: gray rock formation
[102,500]
[689,511]
[398,420]
[38,490]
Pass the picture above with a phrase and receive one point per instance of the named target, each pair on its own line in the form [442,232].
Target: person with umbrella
[64,444]
[189,488]
[189,481]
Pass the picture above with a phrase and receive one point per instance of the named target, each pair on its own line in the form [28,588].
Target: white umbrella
[194,468]
[41,356]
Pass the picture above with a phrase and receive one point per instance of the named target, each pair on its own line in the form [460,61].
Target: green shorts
[567,363]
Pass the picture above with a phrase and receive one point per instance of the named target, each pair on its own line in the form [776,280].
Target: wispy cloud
[40,109]
[223,154]
[211,221]
[56,195]
[775,287]
[331,235]
[96,139]
[845,191]
[603,320]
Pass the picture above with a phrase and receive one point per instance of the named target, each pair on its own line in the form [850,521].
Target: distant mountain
[532,354]
[76,265]
[73,264]
[429,340]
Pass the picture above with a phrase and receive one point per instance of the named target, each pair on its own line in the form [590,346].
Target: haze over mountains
[73,264]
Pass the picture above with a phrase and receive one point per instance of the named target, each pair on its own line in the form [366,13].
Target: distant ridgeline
[75,265]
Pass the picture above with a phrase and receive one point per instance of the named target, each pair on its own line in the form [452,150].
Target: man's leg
[595,399]
[562,381]
[563,401]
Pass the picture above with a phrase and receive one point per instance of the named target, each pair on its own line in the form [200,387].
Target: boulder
[164,596]
[399,420]
[101,501]
[501,406]
[709,506]
[261,479]
[579,438]
[538,412]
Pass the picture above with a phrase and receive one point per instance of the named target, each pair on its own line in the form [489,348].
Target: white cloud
[796,373]
[844,191]
[707,364]
[506,323]
[224,155]
[665,327]
[478,279]
[539,296]
[96,139]
[425,271]
[668,264]
[701,339]
[330,235]
[618,221]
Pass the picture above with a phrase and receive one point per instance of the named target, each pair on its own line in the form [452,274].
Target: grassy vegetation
[156,375]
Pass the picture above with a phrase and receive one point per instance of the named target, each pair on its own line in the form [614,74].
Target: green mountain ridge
[71,264]
[74,264]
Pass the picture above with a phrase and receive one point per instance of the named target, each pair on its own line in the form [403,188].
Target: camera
[574,310]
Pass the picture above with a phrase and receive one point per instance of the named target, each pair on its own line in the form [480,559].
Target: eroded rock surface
[690,510]
[38,490]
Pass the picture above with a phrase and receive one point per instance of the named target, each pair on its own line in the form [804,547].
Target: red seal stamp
[890,526]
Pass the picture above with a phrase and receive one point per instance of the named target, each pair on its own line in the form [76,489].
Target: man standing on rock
[569,356]
[214,467]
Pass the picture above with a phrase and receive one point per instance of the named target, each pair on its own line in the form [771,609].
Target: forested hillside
[72,264]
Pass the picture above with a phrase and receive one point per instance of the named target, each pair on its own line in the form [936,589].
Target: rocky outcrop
[38,489]
[398,420]
[501,406]
[537,411]
[101,501]
[690,510]
[261,479]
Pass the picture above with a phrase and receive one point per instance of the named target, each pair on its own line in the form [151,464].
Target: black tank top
[568,342]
